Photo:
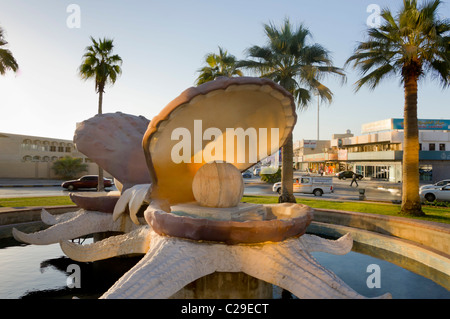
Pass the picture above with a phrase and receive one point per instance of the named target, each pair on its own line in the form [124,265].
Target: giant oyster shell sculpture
[180,248]
[227,103]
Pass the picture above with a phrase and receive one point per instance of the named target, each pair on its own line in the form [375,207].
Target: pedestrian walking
[354,180]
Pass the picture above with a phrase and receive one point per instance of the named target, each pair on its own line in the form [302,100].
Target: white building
[378,153]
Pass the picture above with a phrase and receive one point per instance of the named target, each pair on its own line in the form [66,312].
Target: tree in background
[99,63]
[272,178]
[409,45]
[222,64]
[289,60]
[69,167]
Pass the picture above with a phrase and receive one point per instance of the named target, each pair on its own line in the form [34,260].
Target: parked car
[437,185]
[309,185]
[87,181]
[247,174]
[441,194]
[348,174]
[256,171]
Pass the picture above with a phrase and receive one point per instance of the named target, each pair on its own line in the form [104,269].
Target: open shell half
[252,106]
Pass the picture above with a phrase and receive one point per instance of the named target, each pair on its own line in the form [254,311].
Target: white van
[438,185]
[309,185]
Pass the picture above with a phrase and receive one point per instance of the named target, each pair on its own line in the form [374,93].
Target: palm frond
[303,98]
[100,64]
[222,64]
[7,60]
[412,42]
[288,59]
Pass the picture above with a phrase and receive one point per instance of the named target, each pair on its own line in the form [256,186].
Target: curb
[35,185]
[378,234]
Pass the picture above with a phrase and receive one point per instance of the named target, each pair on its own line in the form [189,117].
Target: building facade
[309,154]
[24,156]
[318,156]
[377,154]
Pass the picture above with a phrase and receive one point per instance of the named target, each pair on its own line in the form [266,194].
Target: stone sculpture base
[241,212]
[226,285]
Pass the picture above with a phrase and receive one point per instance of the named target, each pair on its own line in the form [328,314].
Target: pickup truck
[309,185]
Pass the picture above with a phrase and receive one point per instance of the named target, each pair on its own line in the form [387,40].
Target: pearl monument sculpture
[179,200]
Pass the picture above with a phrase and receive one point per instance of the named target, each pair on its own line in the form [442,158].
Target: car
[309,185]
[348,174]
[256,171]
[437,185]
[87,181]
[247,174]
[441,194]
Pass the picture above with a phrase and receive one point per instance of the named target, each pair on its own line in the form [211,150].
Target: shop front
[391,171]
[323,163]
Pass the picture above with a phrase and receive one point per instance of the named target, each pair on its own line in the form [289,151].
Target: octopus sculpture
[168,171]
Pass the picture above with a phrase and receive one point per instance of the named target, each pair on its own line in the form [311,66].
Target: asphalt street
[374,190]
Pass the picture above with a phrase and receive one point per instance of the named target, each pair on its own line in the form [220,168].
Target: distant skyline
[163,45]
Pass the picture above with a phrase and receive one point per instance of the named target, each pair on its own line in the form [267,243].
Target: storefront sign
[434,155]
[309,143]
[398,124]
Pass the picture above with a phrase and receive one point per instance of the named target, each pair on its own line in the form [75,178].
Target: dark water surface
[31,271]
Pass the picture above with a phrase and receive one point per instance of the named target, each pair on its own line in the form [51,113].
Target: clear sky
[163,44]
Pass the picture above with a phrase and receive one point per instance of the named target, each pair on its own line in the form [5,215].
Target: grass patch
[35,201]
[435,214]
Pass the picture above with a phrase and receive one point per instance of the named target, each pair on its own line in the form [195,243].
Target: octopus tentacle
[50,219]
[84,223]
[133,198]
[170,264]
[134,242]
[290,267]
[313,243]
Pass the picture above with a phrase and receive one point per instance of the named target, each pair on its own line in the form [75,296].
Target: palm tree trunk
[100,100]
[287,172]
[100,185]
[410,196]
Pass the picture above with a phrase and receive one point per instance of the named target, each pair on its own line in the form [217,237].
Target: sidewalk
[22,182]
[369,183]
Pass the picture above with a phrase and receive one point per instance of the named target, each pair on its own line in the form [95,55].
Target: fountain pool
[31,271]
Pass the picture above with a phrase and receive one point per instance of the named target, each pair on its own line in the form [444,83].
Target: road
[376,191]
[342,190]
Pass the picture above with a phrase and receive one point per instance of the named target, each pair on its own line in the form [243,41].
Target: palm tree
[7,61]
[222,64]
[104,67]
[409,45]
[299,67]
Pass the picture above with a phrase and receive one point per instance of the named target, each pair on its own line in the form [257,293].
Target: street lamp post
[318,102]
